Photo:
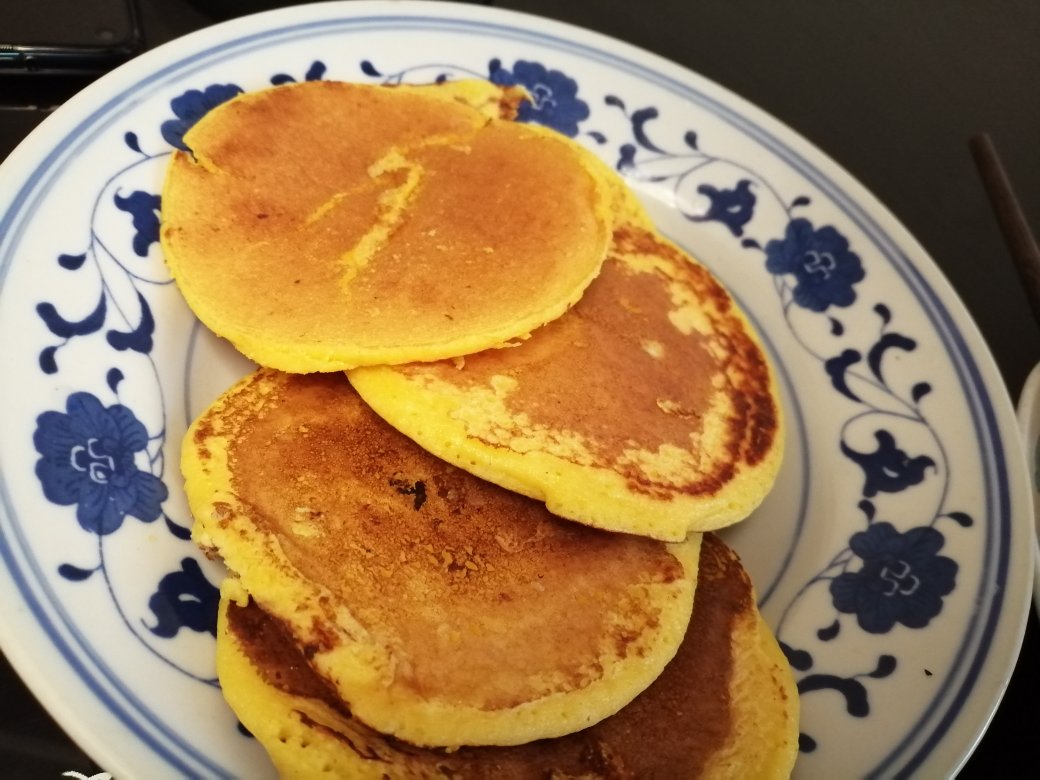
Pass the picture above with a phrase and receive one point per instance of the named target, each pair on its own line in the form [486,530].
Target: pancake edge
[769,753]
[293,357]
[358,667]
[604,502]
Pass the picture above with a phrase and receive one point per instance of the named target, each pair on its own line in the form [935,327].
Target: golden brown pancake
[324,225]
[648,408]
[444,609]
[725,707]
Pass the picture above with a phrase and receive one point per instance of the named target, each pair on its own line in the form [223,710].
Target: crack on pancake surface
[318,212]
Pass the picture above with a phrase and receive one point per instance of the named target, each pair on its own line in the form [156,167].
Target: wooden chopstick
[1021,242]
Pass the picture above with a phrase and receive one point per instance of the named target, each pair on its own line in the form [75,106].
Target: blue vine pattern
[885,577]
[553,101]
[98,457]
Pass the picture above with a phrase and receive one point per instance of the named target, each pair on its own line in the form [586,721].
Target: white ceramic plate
[893,560]
[1029,422]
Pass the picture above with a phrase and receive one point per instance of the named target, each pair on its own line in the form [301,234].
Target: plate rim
[928,278]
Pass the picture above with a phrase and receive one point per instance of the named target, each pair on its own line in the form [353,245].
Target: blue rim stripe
[174,759]
[997,501]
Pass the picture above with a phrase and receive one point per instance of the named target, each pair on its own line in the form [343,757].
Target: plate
[1029,423]
[893,560]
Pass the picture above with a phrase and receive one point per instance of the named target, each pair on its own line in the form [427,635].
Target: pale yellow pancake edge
[594,496]
[358,667]
[770,753]
[294,357]
[298,750]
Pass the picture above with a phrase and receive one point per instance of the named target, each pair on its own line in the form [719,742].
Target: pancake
[725,707]
[492,100]
[648,408]
[444,609]
[322,225]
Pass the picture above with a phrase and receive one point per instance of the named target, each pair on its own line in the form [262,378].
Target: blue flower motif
[143,208]
[903,578]
[888,469]
[190,107]
[554,95]
[88,461]
[733,208]
[185,599]
[821,262]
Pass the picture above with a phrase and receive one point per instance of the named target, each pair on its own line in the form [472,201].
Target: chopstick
[1018,237]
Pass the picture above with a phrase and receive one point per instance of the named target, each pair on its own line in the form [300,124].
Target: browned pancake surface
[649,407]
[617,351]
[684,725]
[325,225]
[405,540]
[460,595]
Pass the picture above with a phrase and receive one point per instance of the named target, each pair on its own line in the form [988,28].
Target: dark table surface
[892,91]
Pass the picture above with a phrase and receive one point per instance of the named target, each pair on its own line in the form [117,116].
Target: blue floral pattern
[889,576]
[190,107]
[88,461]
[821,262]
[143,208]
[553,101]
[554,98]
[316,72]
[185,599]
[733,207]
[886,576]
[902,580]
[888,469]
[102,459]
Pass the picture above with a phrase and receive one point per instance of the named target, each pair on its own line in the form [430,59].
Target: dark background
[891,90]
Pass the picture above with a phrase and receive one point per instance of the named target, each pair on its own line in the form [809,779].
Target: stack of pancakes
[464,501]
